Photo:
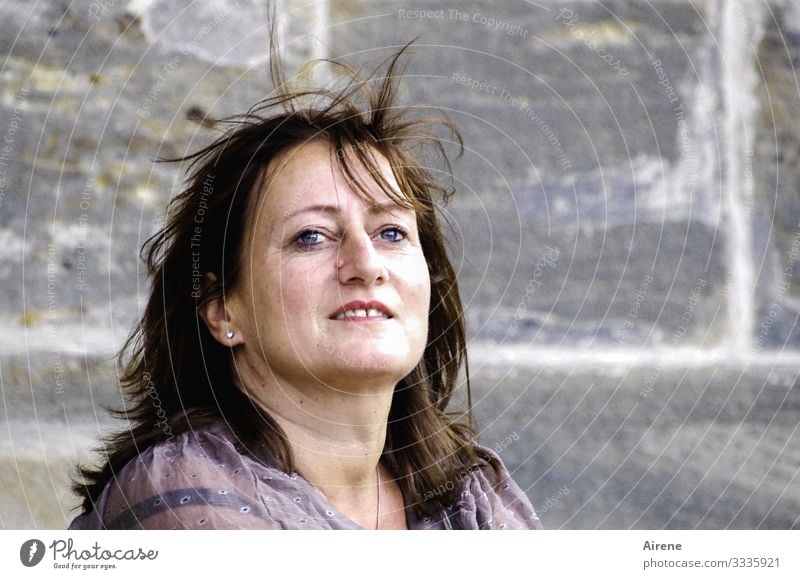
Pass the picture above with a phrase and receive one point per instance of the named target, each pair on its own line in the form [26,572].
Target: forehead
[310,174]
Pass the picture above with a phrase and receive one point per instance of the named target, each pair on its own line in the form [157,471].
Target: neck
[336,435]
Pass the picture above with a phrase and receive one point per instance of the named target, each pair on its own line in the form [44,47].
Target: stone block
[773,171]
[54,406]
[648,448]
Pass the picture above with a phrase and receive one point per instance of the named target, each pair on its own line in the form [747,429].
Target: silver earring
[229,334]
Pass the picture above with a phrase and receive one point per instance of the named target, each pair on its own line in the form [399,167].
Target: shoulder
[491,499]
[198,479]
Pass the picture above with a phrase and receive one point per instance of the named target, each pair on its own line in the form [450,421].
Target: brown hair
[171,357]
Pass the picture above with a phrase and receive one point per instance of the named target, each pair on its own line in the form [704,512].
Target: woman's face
[334,286]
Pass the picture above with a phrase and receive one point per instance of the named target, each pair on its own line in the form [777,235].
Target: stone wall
[627,229]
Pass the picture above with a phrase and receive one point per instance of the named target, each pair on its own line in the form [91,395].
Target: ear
[216,317]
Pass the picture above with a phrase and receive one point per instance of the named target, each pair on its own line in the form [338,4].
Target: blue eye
[393,234]
[309,238]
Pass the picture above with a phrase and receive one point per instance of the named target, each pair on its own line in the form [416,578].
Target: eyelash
[310,246]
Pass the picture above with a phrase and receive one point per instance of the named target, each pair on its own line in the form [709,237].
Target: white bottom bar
[232,554]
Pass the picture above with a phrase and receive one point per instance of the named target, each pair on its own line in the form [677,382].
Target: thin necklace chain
[378,483]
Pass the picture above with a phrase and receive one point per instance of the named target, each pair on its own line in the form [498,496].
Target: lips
[362,311]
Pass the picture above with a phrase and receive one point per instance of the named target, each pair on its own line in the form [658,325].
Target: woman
[302,339]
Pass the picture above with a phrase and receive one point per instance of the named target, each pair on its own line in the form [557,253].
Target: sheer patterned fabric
[203,480]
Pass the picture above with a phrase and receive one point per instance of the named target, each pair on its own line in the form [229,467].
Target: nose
[358,261]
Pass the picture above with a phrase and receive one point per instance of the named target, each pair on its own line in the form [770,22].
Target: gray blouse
[201,480]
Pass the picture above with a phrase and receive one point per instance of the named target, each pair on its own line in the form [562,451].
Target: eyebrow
[374,209]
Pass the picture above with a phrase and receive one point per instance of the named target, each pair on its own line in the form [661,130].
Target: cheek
[424,298]
[297,291]
[418,286]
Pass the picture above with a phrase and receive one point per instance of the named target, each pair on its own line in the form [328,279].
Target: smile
[365,314]
[362,311]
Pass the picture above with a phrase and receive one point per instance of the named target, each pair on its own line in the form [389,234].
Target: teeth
[361,313]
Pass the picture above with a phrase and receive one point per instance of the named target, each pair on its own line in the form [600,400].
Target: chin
[374,365]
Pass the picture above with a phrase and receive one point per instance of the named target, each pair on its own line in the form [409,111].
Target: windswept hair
[172,359]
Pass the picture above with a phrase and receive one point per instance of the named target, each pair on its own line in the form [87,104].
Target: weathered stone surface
[81,192]
[53,409]
[774,171]
[709,448]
